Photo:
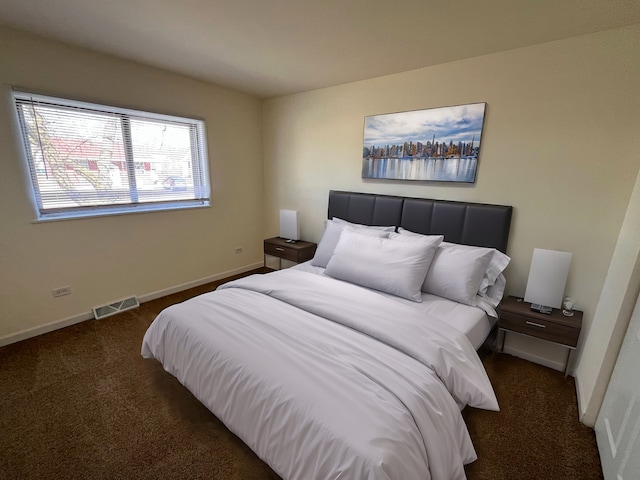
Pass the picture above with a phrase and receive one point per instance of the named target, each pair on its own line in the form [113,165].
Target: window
[87,160]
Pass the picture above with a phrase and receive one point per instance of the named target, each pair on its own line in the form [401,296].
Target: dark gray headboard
[479,224]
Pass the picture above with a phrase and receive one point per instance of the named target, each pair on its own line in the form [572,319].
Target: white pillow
[389,265]
[498,261]
[491,299]
[409,233]
[457,271]
[494,293]
[360,225]
[497,264]
[329,240]
[416,237]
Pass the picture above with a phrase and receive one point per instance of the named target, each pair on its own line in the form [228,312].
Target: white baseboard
[83,317]
[196,283]
[46,328]
[535,358]
[582,406]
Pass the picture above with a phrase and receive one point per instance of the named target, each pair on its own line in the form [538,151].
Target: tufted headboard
[478,224]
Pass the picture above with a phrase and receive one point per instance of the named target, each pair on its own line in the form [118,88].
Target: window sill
[110,212]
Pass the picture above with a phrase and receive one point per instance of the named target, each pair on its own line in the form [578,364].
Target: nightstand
[516,316]
[298,252]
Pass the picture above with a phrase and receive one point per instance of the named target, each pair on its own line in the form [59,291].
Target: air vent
[116,307]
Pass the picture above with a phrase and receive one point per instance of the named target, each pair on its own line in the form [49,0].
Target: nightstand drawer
[282,251]
[540,328]
[298,252]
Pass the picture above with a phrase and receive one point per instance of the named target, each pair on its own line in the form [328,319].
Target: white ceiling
[277,47]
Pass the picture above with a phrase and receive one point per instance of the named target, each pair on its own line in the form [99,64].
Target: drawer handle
[280,249]
[534,324]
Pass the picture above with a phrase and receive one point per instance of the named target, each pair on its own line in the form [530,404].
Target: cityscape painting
[439,144]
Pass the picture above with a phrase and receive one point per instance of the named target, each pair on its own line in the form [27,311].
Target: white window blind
[87,159]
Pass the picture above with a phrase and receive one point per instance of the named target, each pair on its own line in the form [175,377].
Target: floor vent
[116,307]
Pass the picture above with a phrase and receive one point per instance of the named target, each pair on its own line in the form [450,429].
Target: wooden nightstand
[298,252]
[516,316]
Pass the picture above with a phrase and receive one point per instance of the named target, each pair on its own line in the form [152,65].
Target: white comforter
[324,379]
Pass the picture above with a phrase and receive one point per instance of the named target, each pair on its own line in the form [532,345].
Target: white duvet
[326,380]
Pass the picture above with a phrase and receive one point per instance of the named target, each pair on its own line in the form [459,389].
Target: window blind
[87,159]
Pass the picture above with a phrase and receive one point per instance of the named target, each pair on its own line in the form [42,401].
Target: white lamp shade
[547,277]
[289,225]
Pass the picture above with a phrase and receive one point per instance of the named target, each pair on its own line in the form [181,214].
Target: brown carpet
[536,434]
[81,403]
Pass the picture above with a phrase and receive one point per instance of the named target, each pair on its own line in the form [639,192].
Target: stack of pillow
[406,264]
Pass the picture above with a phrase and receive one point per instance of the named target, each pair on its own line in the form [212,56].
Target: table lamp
[289,225]
[547,279]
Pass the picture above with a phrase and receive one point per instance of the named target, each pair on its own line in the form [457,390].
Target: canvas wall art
[438,144]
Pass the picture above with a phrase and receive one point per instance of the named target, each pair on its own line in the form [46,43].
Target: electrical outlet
[238,250]
[61,291]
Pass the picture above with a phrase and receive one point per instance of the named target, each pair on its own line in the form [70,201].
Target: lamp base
[541,308]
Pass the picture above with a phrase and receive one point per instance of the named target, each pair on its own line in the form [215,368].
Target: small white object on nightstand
[568,306]
[289,225]
[547,278]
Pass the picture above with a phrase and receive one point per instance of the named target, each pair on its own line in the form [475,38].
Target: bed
[355,365]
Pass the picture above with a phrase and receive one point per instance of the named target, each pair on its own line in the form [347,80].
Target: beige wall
[613,313]
[559,144]
[105,259]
